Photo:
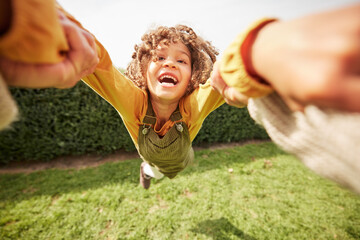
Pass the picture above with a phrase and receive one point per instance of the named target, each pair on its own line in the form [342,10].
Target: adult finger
[217,82]
[82,53]
[90,39]
[74,35]
[83,48]
[235,98]
[93,58]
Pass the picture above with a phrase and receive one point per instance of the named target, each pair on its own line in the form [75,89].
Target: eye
[181,61]
[161,58]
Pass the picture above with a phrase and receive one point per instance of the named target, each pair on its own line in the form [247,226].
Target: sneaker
[145,180]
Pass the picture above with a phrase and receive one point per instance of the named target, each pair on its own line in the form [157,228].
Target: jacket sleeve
[235,62]
[198,105]
[34,34]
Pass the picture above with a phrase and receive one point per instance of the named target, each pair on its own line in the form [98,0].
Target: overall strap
[150,118]
[176,115]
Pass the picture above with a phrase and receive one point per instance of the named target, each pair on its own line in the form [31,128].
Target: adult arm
[313,60]
[80,60]
[310,60]
[40,47]
[324,139]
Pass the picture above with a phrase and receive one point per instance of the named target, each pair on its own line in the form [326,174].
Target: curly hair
[203,54]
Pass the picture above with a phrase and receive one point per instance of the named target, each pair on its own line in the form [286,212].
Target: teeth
[168,76]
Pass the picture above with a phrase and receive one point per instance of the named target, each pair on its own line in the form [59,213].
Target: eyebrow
[183,52]
[161,49]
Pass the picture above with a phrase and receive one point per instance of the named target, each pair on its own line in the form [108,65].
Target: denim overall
[169,154]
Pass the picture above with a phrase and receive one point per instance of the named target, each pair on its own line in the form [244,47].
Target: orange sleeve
[198,105]
[236,68]
[34,34]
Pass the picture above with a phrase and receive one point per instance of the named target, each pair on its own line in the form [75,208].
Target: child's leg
[152,172]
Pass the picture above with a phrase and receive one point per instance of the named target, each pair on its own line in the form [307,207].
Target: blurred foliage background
[76,121]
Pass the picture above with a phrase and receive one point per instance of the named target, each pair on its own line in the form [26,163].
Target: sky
[119,24]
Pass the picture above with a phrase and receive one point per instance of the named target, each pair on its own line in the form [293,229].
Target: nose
[170,64]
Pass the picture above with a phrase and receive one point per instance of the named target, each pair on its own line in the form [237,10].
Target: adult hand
[313,60]
[230,95]
[79,61]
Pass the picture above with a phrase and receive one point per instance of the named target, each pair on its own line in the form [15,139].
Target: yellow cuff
[233,71]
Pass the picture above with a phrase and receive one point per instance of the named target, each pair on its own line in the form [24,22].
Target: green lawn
[269,195]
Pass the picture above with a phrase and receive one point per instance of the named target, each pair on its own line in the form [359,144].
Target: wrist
[247,51]
[233,66]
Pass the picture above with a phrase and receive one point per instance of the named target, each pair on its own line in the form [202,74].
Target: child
[164,97]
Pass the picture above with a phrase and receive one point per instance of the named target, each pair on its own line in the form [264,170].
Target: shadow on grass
[17,187]
[221,228]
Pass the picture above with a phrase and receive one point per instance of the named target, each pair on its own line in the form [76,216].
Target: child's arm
[311,60]
[198,105]
[107,81]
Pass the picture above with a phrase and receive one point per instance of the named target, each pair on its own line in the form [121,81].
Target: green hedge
[77,121]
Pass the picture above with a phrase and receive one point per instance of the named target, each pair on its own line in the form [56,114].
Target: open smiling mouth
[167,80]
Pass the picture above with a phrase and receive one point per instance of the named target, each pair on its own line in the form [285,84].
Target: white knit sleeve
[325,140]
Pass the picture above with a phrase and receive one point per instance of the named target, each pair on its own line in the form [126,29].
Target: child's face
[168,78]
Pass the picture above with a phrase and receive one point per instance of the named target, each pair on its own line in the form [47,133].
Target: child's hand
[313,60]
[230,95]
[80,60]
